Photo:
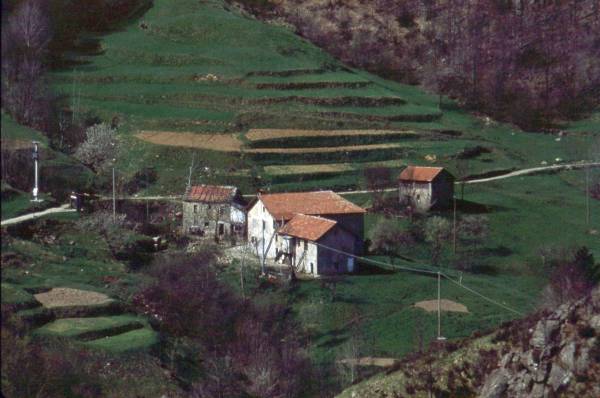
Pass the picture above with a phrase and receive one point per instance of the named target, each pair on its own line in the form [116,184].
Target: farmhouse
[426,187]
[301,229]
[214,210]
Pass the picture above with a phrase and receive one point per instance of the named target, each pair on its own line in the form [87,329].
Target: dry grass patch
[445,305]
[230,143]
[267,134]
[67,297]
[216,142]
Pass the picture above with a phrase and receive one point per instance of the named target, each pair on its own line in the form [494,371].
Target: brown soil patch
[216,142]
[230,143]
[15,145]
[445,305]
[66,297]
[370,361]
[265,134]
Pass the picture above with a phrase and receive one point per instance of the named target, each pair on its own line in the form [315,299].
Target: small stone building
[298,228]
[217,211]
[425,188]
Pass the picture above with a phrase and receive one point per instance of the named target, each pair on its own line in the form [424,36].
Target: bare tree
[389,238]
[25,38]
[98,147]
[437,232]
[573,275]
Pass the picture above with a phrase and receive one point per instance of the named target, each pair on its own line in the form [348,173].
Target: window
[264,225]
[305,245]
[274,224]
[195,208]
[206,223]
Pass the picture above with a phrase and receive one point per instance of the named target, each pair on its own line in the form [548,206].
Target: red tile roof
[210,194]
[287,205]
[420,173]
[307,227]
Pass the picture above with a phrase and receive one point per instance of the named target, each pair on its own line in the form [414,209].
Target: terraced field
[209,79]
[86,317]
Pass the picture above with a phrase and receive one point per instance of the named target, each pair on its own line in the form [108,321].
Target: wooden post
[114,196]
[439,307]
[454,227]
[587,195]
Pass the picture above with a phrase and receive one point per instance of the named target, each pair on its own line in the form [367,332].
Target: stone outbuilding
[217,211]
[425,188]
[312,231]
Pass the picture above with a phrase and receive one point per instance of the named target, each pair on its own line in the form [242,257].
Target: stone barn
[217,211]
[301,229]
[426,187]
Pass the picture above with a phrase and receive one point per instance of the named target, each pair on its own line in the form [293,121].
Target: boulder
[559,377]
[495,385]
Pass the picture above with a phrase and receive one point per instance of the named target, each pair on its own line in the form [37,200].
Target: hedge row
[426,117]
[331,140]
[363,155]
[355,101]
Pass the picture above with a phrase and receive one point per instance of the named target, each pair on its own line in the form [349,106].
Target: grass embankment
[67,284]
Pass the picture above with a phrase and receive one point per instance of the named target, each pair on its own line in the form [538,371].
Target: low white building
[310,231]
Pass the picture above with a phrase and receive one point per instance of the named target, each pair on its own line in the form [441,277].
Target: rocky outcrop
[547,354]
[561,358]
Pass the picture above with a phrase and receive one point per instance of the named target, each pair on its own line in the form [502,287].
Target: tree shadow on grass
[469,207]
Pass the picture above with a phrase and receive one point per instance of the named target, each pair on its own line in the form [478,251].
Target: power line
[482,296]
[424,271]
[401,267]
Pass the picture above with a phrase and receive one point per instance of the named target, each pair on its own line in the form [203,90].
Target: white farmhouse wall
[260,229]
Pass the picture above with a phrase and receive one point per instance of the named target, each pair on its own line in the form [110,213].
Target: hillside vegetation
[200,69]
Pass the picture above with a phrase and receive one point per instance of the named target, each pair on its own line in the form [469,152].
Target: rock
[506,360]
[567,356]
[543,330]
[538,390]
[495,385]
[559,376]
[595,323]
[582,361]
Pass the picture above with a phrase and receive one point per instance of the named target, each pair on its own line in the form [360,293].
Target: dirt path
[535,170]
[516,173]
[31,216]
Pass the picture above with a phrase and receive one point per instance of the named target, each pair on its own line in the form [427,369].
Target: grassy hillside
[202,68]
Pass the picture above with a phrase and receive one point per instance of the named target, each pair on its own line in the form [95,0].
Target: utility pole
[36,157]
[454,226]
[587,195]
[114,196]
[439,307]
